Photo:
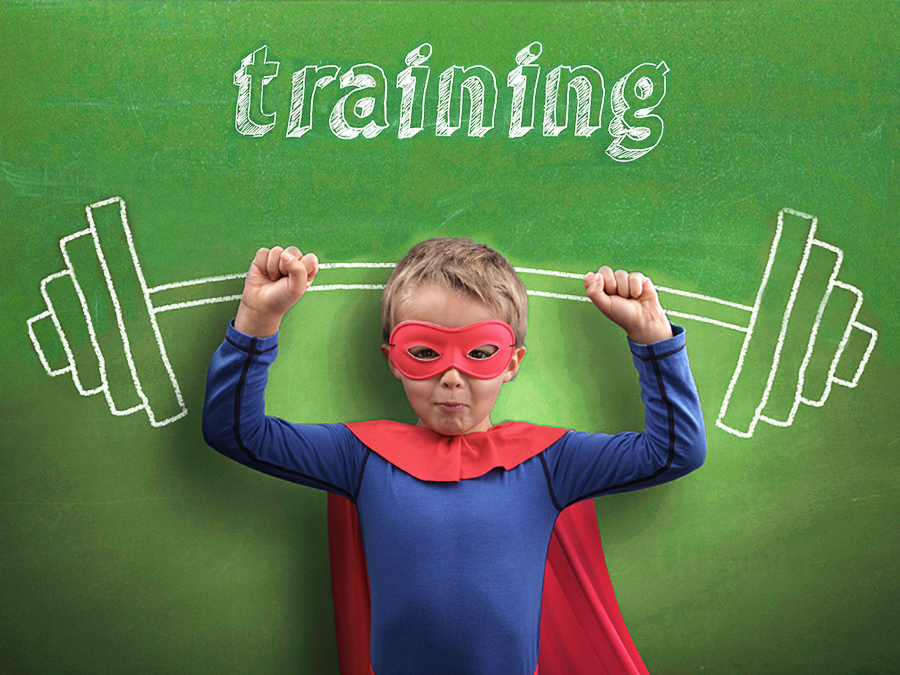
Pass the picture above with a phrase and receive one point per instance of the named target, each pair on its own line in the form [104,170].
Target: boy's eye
[482,352]
[423,353]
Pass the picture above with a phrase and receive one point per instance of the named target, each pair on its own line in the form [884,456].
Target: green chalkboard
[743,154]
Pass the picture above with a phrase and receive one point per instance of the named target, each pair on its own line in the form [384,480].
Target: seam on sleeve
[252,348]
[656,357]
[238,398]
[362,471]
[549,483]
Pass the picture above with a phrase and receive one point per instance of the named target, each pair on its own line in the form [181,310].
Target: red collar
[428,455]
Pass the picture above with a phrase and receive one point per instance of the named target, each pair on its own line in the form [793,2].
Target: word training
[362,109]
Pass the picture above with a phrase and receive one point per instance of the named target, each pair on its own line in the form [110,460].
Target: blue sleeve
[582,465]
[324,456]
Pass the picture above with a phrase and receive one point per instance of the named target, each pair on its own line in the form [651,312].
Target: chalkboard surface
[743,154]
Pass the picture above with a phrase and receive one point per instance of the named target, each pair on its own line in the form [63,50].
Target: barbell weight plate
[62,300]
[833,331]
[80,254]
[48,344]
[145,353]
[854,355]
[801,336]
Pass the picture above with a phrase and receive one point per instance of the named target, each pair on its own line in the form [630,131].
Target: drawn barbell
[102,259]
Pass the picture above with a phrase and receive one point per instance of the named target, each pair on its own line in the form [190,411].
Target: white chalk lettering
[481,85]
[413,82]
[255,73]
[586,83]
[572,105]
[523,81]
[635,96]
[303,91]
[364,109]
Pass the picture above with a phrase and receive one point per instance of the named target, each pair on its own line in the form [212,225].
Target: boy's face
[451,403]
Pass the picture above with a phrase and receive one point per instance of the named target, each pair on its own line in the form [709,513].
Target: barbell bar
[102,258]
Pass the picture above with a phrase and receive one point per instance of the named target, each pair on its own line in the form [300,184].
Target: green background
[132,549]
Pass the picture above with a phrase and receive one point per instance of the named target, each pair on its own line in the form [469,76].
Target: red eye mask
[451,348]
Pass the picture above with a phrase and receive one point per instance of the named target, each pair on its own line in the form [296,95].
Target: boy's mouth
[450,406]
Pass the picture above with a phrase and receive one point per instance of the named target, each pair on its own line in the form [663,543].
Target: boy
[456,514]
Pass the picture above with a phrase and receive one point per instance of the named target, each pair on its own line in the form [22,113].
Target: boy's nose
[452,378]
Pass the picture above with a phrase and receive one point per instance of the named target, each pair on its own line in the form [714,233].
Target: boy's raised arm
[324,456]
[673,442]
[276,280]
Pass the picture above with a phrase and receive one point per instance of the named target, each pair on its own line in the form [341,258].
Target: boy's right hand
[276,280]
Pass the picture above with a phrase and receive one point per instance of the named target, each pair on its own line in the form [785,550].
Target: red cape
[582,629]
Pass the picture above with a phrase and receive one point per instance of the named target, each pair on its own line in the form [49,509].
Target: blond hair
[460,265]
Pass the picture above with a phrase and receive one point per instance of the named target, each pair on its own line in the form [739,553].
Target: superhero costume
[456,555]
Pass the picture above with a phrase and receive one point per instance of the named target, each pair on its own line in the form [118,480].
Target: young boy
[456,513]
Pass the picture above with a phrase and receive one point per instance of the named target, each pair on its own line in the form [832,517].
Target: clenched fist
[276,280]
[630,301]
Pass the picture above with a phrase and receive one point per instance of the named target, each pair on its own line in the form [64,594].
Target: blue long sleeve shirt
[456,568]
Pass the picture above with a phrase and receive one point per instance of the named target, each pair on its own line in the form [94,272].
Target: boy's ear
[386,352]
[514,364]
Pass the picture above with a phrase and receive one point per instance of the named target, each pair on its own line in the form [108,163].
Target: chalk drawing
[482,87]
[636,96]
[363,110]
[250,95]
[523,80]
[304,84]
[754,311]
[413,82]
[361,77]
[91,232]
[586,82]
[712,313]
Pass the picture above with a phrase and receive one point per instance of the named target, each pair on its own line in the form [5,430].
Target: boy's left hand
[630,301]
